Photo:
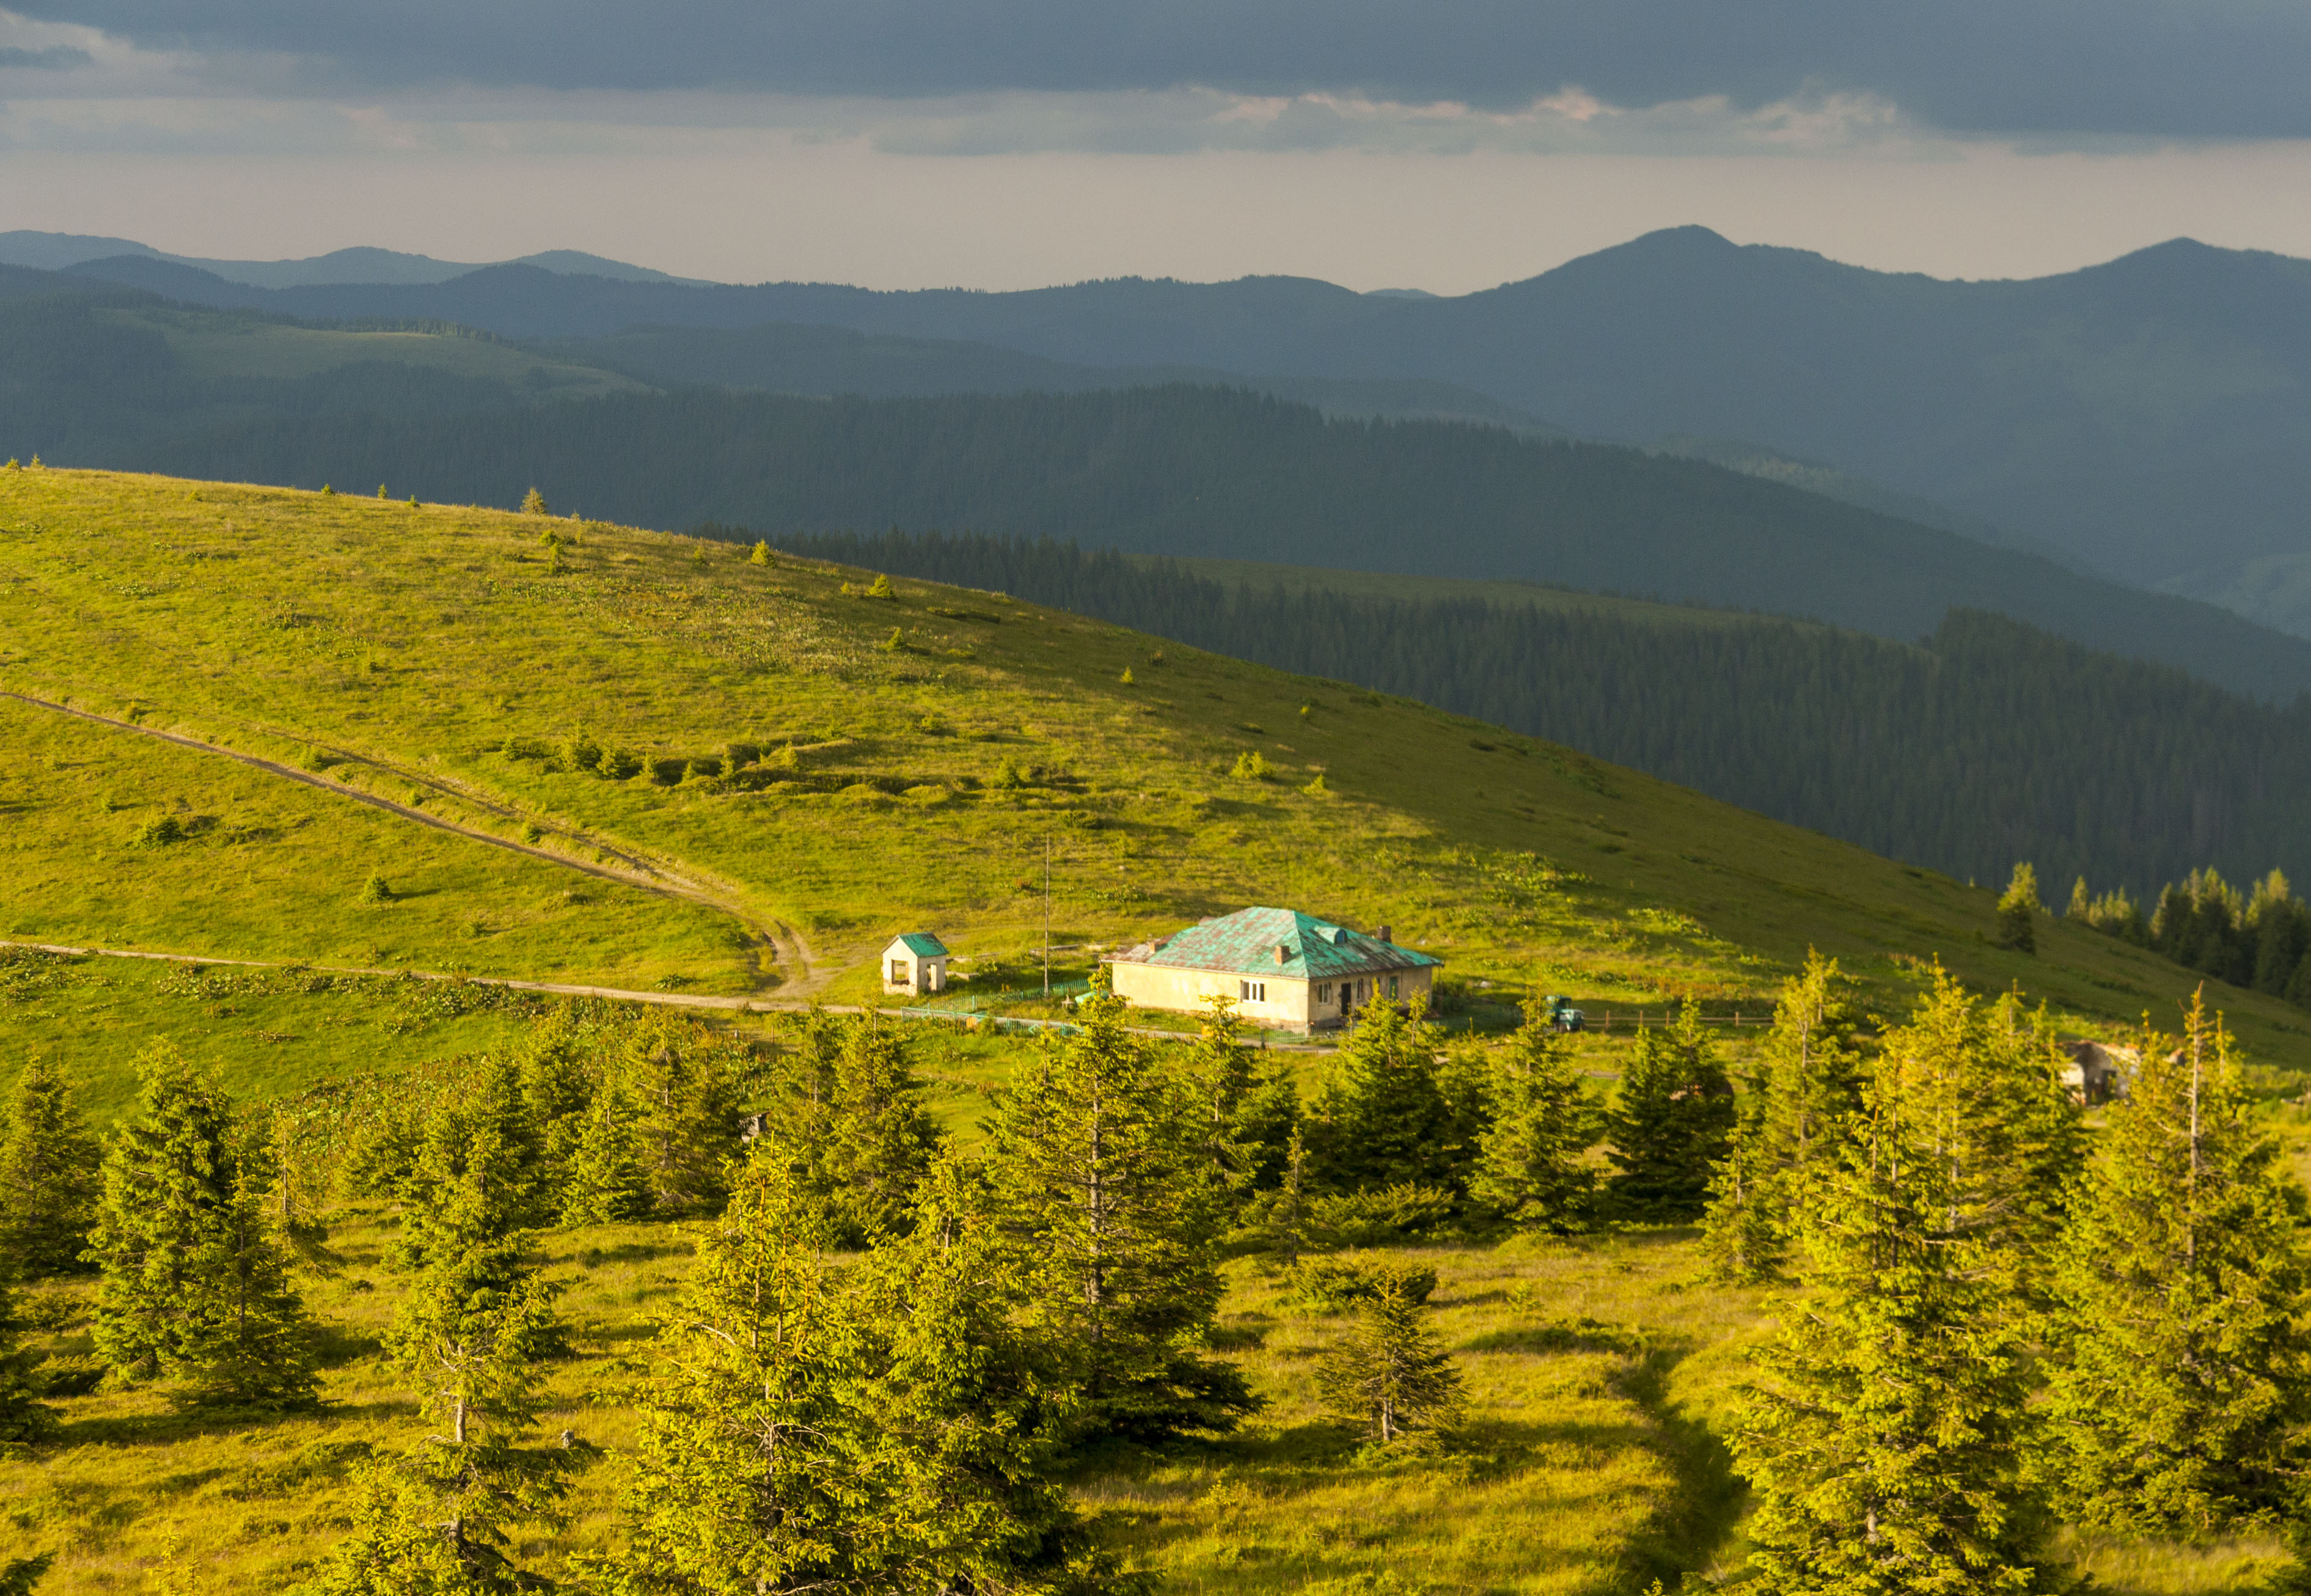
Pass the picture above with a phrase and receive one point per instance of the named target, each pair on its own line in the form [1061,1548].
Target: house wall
[1185,991]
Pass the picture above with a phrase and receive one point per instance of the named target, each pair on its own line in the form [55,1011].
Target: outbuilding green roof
[922,944]
[1246,941]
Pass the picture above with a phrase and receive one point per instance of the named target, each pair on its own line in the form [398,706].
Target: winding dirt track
[788,951]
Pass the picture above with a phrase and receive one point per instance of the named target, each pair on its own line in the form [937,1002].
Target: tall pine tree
[474,1323]
[1881,1436]
[194,1288]
[1671,1122]
[2181,1361]
[1802,1098]
[48,1176]
[23,1416]
[1101,1170]
[1531,1167]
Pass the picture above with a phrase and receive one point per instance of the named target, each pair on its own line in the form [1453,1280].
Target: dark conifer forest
[1989,742]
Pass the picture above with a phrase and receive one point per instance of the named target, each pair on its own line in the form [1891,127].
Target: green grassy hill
[318,690]
[438,658]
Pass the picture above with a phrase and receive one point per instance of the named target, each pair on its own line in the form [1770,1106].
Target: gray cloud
[2190,69]
[55,59]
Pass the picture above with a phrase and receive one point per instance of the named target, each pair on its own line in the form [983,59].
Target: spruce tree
[2181,1362]
[741,1464]
[1382,1117]
[1249,1113]
[604,1179]
[48,1176]
[23,1416]
[193,1288]
[1531,1167]
[1880,1437]
[1671,1123]
[1391,1376]
[2019,910]
[879,1138]
[685,1084]
[472,1327]
[1102,1171]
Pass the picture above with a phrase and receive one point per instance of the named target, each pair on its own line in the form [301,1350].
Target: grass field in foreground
[943,740]
[1598,1377]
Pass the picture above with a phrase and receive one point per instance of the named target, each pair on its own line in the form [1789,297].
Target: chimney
[1385,936]
[1283,952]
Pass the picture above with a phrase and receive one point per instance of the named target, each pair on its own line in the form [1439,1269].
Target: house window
[1324,992]
[898,972]
[1391,986]
[1253,991]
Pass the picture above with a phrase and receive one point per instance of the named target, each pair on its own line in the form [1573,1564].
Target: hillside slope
[941,739]
[1217,472]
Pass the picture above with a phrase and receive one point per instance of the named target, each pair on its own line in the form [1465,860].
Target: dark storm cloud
[2196,69]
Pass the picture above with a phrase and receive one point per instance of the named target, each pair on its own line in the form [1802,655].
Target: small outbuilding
[915,963]
[1282,967]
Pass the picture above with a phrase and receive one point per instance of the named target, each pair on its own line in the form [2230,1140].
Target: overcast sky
[1447,144]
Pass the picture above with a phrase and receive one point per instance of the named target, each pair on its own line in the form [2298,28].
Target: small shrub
[849,591]
[761,554]
[159,831]
[785,759]
[1316,788]
[413,501]
[36,462]
[882,588]
[706,767]
[1125,678]
[1252,765]
[581,752]
[380,491]
[533,503]
[375,890]
[1008,777]
[11,465]
[531,834]
[619,763]
[891,644]
[314,762]
[328,492]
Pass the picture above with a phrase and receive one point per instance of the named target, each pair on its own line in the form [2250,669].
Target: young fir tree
[2019,910]
[1383,1118]
[2181,1363]
[23,1416]
[686,1089]
[1391,1376]
[1531,1167]
[1249,1114]
[1671,1123]
[1800,1099]
[604,1179]
[1103,1174]
[875,1141]
[742,1475]
[48,1176]
[474,1322]
[194,1289]
[1880,1436]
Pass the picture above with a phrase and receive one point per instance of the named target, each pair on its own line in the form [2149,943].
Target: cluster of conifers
[885,1348]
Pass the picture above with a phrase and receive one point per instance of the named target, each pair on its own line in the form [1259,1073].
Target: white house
[1282,967]
[915,963]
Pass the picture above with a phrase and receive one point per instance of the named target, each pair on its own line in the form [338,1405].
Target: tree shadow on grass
[1686,1533]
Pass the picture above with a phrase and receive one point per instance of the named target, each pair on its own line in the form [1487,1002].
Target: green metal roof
[1247,941]
[923,945]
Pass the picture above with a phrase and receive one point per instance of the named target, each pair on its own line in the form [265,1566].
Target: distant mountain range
[56,251]
[2147,417]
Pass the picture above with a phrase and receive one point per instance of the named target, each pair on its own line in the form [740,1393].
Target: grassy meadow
[940,741]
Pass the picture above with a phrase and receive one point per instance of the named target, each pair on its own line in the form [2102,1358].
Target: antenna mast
[1047,914]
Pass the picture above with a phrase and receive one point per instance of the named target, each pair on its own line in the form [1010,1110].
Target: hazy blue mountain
[2147,417]
[56,251]
[793,358]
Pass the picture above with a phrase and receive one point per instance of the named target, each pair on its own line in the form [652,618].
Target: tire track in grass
[788,951]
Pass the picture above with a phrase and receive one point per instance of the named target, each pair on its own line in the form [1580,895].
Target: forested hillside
[1990,743]
[1189,470]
